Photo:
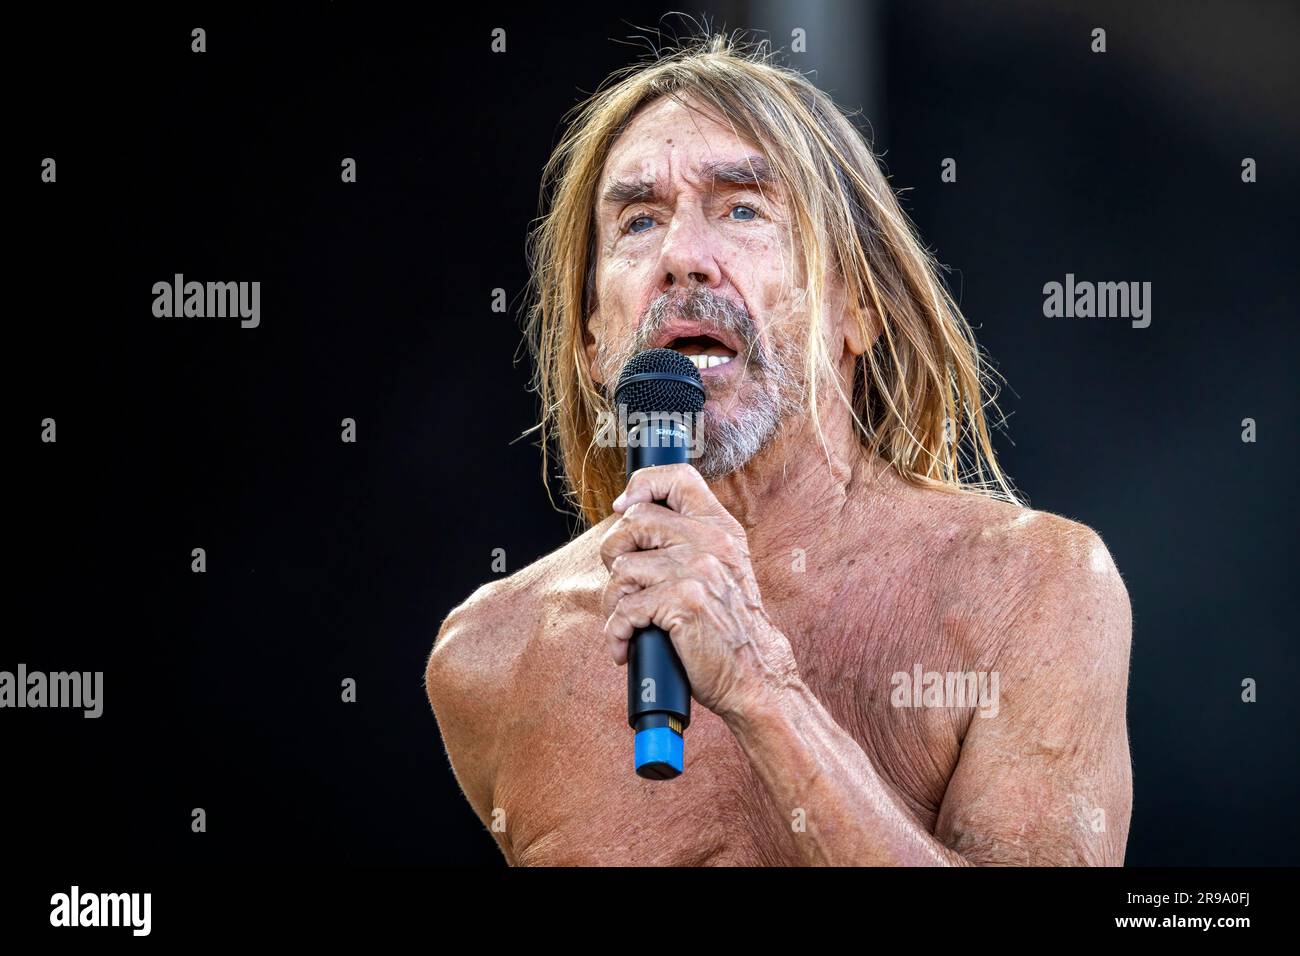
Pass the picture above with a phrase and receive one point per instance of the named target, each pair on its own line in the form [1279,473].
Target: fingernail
[618,502]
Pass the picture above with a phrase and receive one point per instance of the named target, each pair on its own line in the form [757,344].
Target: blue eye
[633,222]
[748,209]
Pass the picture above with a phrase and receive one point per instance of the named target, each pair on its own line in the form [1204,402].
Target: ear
[857,339]
[589,346]
[858,327]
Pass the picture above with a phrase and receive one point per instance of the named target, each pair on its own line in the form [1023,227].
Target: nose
[686,257]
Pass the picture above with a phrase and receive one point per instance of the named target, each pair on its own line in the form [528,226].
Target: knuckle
[703,564]
[623,612]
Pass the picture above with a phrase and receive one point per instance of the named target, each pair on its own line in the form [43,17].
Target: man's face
[692,254]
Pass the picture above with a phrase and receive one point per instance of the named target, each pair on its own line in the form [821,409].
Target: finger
[681,486]
[646,527]
[635,570]
[652,605]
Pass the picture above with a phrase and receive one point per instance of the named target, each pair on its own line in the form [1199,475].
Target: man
[842,557]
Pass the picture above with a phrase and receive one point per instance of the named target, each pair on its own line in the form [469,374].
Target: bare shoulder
[481,638]
[470,673]
[1036,577]
[1057,629]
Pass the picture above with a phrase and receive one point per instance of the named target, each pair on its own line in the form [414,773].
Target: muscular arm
[1047,781]
[460,675]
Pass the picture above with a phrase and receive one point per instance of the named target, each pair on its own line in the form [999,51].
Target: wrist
[771,699]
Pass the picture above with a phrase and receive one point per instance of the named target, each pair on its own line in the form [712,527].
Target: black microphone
[663,396]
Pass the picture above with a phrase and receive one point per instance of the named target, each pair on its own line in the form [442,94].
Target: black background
[329,560]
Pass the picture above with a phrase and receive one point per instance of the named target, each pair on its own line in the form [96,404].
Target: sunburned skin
[796,590]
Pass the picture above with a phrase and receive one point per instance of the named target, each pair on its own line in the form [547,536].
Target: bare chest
[566,792]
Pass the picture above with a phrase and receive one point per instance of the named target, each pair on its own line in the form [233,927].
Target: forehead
[668,138]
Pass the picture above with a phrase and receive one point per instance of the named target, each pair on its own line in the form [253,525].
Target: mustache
[713,313]
[707,309]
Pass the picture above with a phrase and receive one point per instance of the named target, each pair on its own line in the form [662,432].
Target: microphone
[662,392]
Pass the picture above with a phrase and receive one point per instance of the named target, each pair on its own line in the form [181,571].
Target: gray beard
[730,443]
[727,444]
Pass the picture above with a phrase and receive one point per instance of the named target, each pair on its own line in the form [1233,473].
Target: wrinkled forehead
[751,171]
[668,146]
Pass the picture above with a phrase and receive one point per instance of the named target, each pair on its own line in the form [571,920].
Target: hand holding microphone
[679,565]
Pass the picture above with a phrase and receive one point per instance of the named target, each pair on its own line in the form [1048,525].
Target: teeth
[709,361]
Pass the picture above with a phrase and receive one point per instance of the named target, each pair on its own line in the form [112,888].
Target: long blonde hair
[918,395]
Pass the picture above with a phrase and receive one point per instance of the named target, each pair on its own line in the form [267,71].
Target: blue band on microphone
[659,745]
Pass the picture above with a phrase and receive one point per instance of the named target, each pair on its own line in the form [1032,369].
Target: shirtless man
[813,562]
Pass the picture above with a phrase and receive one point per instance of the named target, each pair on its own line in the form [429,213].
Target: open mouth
[704,350]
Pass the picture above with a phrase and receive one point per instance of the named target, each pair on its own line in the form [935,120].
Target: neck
[796,486]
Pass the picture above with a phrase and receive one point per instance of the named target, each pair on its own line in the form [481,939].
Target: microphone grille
[666,381]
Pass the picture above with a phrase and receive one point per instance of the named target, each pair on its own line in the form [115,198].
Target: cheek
[617,290]
[767,267]
[626,269]
[784,304]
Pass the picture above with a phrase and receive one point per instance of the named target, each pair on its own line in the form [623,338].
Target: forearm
[824,787]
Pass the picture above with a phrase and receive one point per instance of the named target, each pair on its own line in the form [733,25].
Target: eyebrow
[748,172]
